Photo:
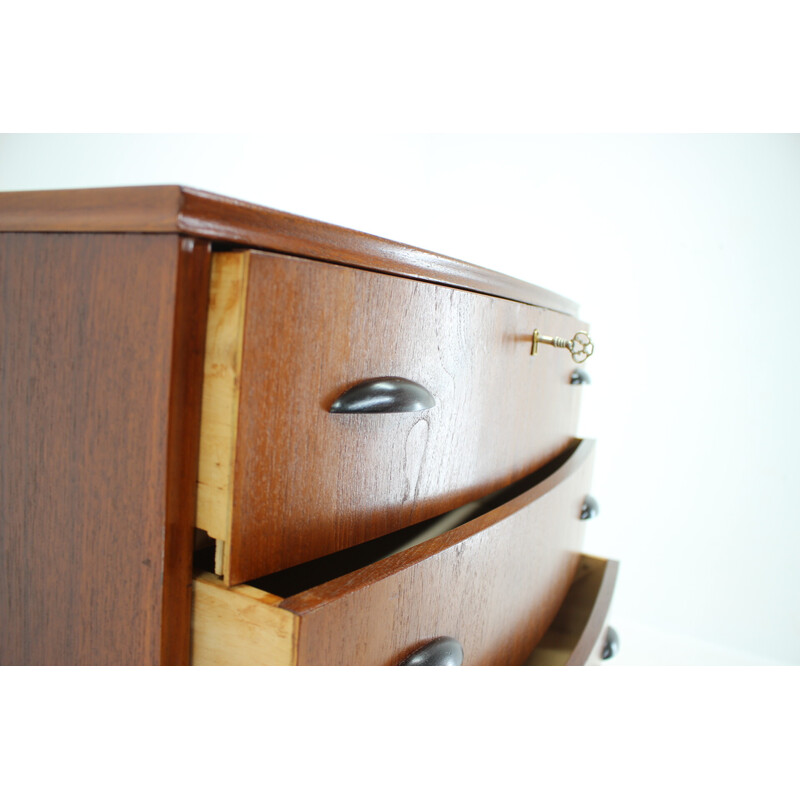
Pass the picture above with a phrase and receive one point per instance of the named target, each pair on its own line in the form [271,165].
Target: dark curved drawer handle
[383,396]
[611,647]
[590,508]
[579,377]
[442,652]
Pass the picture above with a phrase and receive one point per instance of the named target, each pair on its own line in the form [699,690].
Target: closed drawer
[494,584]
[284,481]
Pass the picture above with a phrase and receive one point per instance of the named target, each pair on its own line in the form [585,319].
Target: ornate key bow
[580,345]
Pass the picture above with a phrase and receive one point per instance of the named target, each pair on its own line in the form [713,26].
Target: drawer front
[283,480]
[494,584]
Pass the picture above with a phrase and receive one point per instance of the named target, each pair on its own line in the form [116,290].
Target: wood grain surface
[494,584]
[102,329]
[573,637]
[220,409]
[100,374]
[241,626]
[183,445]
[176,209]
[307,482]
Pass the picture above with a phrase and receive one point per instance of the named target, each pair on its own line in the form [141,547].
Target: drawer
[577,635]
[494,583]
[283,481]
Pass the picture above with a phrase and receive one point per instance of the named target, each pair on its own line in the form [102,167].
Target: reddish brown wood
[175,209]
[102,319]
[494,584]
[135,209]
[99,379]
[308,482]
[186,389]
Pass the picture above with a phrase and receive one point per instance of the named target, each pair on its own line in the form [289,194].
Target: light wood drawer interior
[283,481]
[575,637]
[494,582]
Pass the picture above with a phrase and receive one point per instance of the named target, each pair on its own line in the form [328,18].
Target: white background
[684,253]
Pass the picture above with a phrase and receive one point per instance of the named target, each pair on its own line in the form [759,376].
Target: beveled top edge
[180,209]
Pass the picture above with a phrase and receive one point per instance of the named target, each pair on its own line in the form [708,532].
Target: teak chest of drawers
[232,435]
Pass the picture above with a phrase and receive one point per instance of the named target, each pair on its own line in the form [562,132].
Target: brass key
[580,345]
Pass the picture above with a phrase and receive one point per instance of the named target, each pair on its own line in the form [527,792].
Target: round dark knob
[611,647]
[590,508]
[441,652]
[579,377]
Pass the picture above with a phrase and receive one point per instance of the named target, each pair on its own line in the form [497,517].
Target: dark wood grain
[308,482]
[186,389]
[599,585]
[494,584]
[175,209]
[99,374]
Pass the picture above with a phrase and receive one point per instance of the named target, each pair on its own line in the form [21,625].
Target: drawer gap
[292,581]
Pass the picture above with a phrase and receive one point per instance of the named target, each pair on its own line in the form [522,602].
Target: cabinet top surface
[181,210]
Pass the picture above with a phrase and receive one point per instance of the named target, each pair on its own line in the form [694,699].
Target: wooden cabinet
[175,487]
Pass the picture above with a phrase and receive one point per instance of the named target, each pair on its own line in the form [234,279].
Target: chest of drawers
[232,435]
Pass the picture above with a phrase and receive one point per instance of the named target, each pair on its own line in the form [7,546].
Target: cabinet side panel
[87,329]
[188,350]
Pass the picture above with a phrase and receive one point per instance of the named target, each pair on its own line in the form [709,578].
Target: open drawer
[295,463]
[494,583]
[576,636]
